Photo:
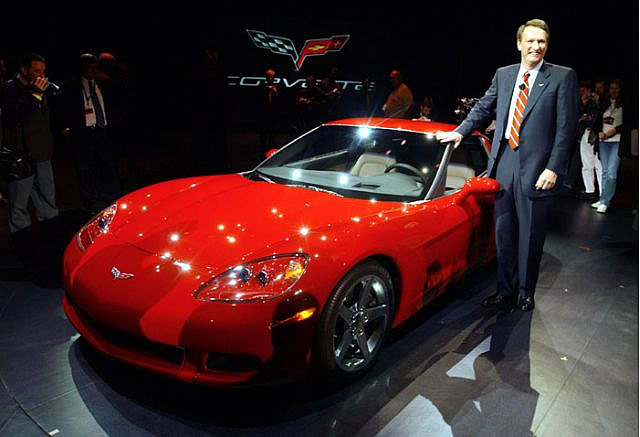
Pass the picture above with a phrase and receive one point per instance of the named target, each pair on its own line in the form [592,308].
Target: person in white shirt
[609,144]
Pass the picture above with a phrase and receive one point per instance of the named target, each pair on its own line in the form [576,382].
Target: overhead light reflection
[185,267]
[364,132]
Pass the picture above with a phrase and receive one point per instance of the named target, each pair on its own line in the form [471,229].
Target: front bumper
[289,358]
[176,335]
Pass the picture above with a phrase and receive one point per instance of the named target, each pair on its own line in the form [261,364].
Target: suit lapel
[542,80]
[511,78]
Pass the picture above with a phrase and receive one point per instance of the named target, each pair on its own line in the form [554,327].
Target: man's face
[532,45]
[311,81]
[599,87]
[90,71]
[395,79]
[36,70]
[585,92]
[614,90]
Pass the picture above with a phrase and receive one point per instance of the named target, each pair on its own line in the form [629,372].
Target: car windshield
[359,162]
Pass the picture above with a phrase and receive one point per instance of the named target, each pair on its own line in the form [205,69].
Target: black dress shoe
[498,300]
[526,304]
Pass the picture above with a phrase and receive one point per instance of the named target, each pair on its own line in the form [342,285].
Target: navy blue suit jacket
[548,128]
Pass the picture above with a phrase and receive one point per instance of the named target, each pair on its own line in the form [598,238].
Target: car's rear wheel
[354,323]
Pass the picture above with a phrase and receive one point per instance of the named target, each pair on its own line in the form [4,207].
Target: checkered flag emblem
[275,44]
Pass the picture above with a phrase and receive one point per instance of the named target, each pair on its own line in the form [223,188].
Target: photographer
[26,135]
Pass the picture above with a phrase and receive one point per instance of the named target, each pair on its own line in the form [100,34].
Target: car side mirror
[271,152]
[477,186]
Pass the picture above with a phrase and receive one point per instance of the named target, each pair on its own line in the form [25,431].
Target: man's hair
[28,59]
[586,84]
[106,61]
[618,81]
[600,79]
[427,101]
[87,59]
[536,22]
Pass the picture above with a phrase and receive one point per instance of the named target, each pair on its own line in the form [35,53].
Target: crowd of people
[599,139]
[90,112]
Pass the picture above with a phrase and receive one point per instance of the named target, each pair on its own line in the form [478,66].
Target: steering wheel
[412,169]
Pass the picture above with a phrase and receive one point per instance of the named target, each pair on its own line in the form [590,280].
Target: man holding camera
[26,132]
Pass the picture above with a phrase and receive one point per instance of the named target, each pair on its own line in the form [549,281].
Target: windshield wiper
[314,188]
[263,177]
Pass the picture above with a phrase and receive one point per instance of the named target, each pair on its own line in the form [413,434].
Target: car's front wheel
[354,323]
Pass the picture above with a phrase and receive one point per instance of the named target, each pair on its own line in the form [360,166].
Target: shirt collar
[532,72]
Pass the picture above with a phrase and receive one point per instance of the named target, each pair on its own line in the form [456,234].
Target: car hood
[222,220]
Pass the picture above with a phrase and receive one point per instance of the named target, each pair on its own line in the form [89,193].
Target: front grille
[160,351]
[233,362]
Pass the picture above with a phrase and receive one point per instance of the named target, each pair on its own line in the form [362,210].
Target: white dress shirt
[89,110]
[533,73]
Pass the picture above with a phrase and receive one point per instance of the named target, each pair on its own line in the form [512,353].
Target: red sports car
[305,262]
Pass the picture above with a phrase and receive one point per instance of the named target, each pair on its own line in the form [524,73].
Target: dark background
[447,49]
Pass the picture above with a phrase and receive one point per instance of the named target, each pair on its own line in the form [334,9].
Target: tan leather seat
[371,164]
[457,175]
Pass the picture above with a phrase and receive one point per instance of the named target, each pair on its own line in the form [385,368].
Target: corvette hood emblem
[117,274]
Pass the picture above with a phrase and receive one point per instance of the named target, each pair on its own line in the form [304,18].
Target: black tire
[354,323]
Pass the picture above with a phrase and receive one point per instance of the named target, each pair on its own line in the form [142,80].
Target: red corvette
[305,262]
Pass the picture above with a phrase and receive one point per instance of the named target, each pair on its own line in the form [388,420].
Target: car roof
[395,123]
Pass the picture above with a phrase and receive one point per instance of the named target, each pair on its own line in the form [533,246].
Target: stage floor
[569,368]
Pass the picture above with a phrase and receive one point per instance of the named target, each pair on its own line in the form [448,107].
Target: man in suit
[536,107]
[85,122]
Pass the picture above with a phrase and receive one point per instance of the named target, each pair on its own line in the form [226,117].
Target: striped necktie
[518,112]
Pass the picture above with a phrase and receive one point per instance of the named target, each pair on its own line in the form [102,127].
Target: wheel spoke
[346,314]
[377,312]
[365,294]
[344,346]
[364,347]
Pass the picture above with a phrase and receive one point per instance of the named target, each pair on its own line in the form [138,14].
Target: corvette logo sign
[117,274]
[284,46]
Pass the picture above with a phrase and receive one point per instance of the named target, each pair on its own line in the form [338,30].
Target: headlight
[96,226]
[262,279]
